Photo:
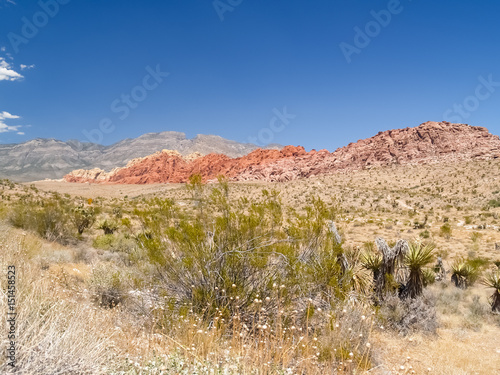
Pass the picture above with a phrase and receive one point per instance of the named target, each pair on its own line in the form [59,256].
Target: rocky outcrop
[430,142]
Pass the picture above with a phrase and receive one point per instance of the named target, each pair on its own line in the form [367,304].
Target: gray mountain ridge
[48,158]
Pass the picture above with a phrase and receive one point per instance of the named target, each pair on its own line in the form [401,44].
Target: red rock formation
[427,143]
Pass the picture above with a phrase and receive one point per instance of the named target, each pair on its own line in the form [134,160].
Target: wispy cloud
[7,73]
[24,67]
[4,128]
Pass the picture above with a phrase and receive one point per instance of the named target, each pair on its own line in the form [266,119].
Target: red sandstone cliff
[427,143]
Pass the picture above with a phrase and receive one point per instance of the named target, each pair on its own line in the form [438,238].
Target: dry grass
[385,202]
[56,333]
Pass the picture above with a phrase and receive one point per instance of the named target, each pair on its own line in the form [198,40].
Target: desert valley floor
[409,202]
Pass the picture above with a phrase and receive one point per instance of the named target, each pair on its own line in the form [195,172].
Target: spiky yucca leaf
[429,276]
[418,255]
[459,267]
[416,258]
[359,278]
[492,280]
[463,273]
[371,261]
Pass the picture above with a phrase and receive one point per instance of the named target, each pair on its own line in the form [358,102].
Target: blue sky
[319,74]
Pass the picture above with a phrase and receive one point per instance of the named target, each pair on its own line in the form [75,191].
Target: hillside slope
[427,143]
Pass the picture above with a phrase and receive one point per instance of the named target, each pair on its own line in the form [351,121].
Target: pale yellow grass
[454,352]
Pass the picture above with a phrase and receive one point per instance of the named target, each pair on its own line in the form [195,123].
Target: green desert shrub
[82,217]
[115,242]
[104,242]
[48,217]
[107,285]
[234,260]
[445,231]
[108,226]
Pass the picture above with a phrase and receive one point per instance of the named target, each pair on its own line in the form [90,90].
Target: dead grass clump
[107,285]
[410,315]
[54,334]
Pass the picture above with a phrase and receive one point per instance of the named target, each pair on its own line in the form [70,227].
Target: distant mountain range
[39,159]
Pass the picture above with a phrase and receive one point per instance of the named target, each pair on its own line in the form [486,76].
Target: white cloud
[6,71]
[4,128]
[5,115]
[23,67]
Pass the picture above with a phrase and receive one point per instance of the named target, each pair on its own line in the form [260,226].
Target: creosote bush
[48,217]
[252,269]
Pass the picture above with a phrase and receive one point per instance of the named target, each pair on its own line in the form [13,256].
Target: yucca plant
[463,273]
[492,280]
[392,257]
[429,276]
[373,262]
[416,258]
[108,226]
